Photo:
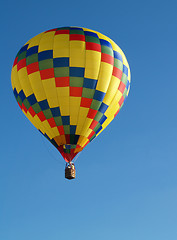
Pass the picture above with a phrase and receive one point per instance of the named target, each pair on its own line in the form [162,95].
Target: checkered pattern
[70,82]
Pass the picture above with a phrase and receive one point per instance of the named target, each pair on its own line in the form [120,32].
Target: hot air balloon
[70,82]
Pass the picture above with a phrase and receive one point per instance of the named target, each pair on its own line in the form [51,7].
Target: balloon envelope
[70,82]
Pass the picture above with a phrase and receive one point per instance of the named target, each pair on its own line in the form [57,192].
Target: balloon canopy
[70,82]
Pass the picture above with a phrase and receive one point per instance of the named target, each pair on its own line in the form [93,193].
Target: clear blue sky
[126,185]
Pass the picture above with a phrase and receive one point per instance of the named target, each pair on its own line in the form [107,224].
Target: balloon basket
[70,171]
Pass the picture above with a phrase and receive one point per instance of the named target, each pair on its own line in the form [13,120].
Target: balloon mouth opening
[69,151]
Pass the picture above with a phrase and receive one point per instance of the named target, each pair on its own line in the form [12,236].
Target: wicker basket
[70,172]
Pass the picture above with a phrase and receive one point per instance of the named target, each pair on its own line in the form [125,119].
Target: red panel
[67,136]
[19,105]
[121,100]
[61,130]
[91,134]
[117,72]
[62,31]
[76,91]
[86,102]
[51,122]
[107,58]
[47,73]
[76,37]
[62,81]
[41,116]
[21,64]
[33,67]
[93,124]
[121,87]
[24,108]
[31,111]
[92,113]
[93,46]
[15,61]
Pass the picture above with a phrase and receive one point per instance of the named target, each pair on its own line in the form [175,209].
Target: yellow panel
[77,54]
[15,80]
[81,140]
[82,116]
[55,131]
[64,105]
[63,139]
[113,103]
[112,89]
[35,40]
[46,42]
[51,92]
[104,76]
[36,83]
[61,46]
[92,64]
[87,124]
[24,81]
[77,150]
[58,140]
[63,91]
[74,109]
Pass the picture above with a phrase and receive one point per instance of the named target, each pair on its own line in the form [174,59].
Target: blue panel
[23,49]
[87,33]
[99,95]
[128,84]
[76,28]
[32,51]
[105,43]
[55,112]
[65,120]
[99,129]
[22,95]
[67,146]
[125,70]
[15,92]
[90,83]
[53,142]
[76,72]
[118,56]
[103,119]
[45,55]
[32,99]
[103,108]
[61,62]
[44,104]
[72,129]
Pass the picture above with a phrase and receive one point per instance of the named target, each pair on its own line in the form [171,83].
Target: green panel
[21,56]
[124,78]
[26,103]
[66,129]
[47,113]
[95,104]
[118,64]
[67,150]
[58,121]
[36,108]
[125,93]
[92,137]
[98,116]
[61,72]
[72,137]
[88,93]
[32,59]
[19,100]
[92,39]
[76,82]
[107,50]
[45,64]
[97,127]
[75,31]
[63,28]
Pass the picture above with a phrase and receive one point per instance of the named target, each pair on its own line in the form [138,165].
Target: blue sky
[126,185]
